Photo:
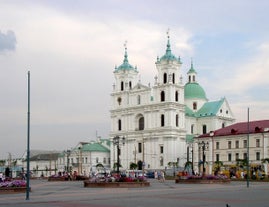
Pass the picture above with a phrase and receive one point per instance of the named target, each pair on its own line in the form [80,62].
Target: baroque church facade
[154,125]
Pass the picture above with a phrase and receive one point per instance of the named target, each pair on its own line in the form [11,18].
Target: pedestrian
[1,177]
[155,174]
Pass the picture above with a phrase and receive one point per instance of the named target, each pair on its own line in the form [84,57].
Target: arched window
[177,120]
[193,78]
[122,86]
[223,125]
[130,85]
[204,129]
[176,96]
[192,128]
[119,125]
[141,123]
[194,106]
[162,96]
[173,78]
[162,120]
[189,78]
[138,100]
[164,78]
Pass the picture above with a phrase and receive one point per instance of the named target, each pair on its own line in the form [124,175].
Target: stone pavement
[170,194]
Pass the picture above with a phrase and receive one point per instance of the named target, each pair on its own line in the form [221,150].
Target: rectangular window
[104,160]
[229,144]
[217,145]
[257,142]
[217,157]
[258,156]
[245,156]
[161,149]
[236,156]
[229,157]
[97,160]
[139,147]
[245,143]
[237,144]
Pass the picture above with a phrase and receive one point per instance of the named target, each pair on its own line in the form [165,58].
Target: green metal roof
[94,147]
[189,138]
[194,90]
[189,112]
[210,108]
[207,110]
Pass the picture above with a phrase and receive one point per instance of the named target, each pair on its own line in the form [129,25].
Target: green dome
[125,65]
[168,54]
[194,90]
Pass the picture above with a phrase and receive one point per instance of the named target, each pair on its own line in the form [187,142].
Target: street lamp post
[80,161]
[116,142]
[203,145]
[68,152]
[190,145]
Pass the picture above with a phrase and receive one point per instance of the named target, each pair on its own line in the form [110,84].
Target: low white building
[85,157]
[42,163]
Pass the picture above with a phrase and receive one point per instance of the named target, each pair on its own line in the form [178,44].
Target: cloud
[7,41]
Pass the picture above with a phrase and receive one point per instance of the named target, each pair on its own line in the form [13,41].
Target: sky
[71,48]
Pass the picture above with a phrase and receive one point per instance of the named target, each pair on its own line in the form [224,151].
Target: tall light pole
[248,153]
[203,145]
[68,152]
[28,143]
[116,142]
[212,150]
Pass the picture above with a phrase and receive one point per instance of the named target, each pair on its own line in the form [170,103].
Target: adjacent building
[232,145]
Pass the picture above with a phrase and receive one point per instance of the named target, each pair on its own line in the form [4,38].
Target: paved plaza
[168,194]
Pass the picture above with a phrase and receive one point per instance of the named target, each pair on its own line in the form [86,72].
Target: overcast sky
[71,48]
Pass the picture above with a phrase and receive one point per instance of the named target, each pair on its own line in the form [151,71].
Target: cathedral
[153,126]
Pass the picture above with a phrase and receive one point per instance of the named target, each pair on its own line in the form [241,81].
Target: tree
[116,165]
[217,165]
[172,164]
[265,160]
[188,164]
[133,166]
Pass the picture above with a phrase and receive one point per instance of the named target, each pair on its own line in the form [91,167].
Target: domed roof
[194,90]
[168,53]
[125,65]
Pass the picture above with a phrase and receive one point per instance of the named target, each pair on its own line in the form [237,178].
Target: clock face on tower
[119,100]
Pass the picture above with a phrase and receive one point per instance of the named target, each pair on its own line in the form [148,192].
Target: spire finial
[191,63]
[125,44]
[168,49]
[125,55]
[167,32]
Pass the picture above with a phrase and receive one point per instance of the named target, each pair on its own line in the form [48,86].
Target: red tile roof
[241,128]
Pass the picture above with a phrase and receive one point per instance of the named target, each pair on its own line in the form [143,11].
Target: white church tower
[149,120]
